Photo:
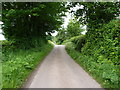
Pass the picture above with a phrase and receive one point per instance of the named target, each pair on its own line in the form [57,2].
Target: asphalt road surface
[59,70]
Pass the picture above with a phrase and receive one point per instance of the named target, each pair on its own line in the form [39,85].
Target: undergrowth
[18,64]
[100,54]
[106,73]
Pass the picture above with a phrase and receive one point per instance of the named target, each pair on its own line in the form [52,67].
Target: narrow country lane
[59,70]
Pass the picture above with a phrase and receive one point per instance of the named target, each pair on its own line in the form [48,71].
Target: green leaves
[104,42]
[100,54]
[17,64]
[27,20]
[73,29]
[10,13]
[95,14]
[102,69]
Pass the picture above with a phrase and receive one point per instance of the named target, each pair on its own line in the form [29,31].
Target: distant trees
[24,21]
[92,14]
[73,29]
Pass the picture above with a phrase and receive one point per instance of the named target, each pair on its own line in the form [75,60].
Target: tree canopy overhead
[94,14]
[26,20]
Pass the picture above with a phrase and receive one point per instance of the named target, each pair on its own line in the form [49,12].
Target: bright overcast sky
[1,36]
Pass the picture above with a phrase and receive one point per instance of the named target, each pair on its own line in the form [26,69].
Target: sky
[66,21]
[1,36]
[68,17]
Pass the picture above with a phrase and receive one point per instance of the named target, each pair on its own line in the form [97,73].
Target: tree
[95,14]
[61,36]
[26,21]
[74,28]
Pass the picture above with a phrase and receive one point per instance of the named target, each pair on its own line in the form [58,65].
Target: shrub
[79,42]
[104,42]
[17,64]
[99,56]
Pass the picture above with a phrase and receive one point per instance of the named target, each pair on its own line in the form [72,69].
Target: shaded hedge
[77,41]
[100,54]
[104,43]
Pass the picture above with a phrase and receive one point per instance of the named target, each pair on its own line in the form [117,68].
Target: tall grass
[106,73]
[18,64]
[99,55]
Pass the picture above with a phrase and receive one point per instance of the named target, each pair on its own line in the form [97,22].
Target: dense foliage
[26,22]
[17,64]
[27,26]
[104,44]
[94,14]
[76,42]
[100,56]
[73,29]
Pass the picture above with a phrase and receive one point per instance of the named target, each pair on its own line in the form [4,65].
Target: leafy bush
[104,71]
[78,41]
[99,55]
[17,64]
[73,30]
[104,42]
[70,45]
[25,21]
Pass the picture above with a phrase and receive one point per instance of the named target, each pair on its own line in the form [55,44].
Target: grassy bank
[105,72]
[17,64]
[98,53]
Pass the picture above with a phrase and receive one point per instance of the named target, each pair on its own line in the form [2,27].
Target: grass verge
[18,64]
[103,72]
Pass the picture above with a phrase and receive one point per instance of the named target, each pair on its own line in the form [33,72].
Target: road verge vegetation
[18,63]
[27,27]
[99,55]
